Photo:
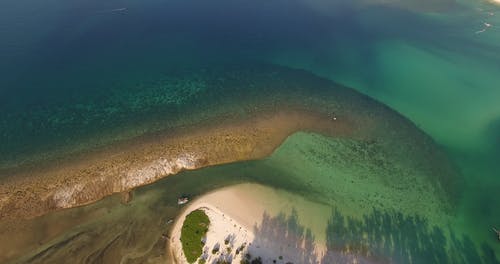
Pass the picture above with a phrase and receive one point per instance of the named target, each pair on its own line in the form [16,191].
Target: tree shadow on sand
[394,237]
[283,236]
[377,237]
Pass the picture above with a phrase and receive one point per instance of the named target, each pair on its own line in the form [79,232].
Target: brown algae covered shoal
[237,118]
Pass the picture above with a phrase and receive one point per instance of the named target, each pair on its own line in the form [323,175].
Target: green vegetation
[215,250]
[241,248]
[257,261]
[248,260]
[193,230]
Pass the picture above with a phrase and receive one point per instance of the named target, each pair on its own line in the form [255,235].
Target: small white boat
[182,200]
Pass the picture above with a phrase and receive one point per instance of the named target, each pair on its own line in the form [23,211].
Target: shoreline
[239,227]
[89,177]
[249,124]
[271,224]
[218,220]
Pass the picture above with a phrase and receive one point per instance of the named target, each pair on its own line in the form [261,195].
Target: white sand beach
[245,217]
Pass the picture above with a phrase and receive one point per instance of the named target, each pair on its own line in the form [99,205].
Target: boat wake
[116,10]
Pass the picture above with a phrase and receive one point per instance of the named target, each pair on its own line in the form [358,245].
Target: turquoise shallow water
[72,72]
[68,53]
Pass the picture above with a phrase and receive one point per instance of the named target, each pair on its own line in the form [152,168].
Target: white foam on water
[156,170]
[70,196]
[66,196]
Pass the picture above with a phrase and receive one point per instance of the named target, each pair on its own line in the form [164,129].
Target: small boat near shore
[182,200]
